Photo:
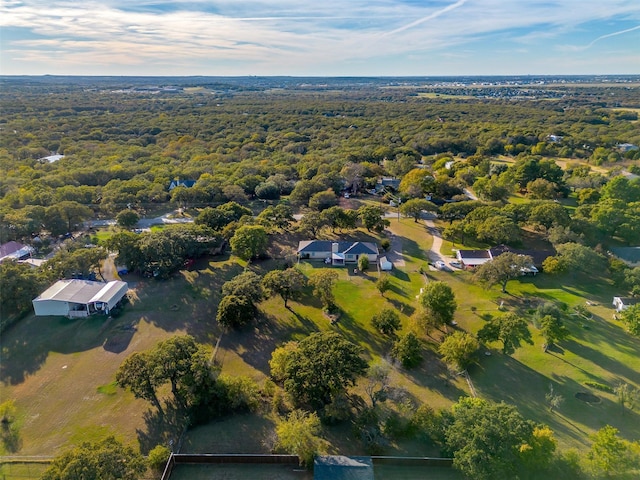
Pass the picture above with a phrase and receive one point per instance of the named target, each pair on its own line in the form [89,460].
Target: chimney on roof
[334,247]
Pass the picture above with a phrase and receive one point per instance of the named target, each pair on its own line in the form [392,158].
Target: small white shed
[622,303]
[385,264]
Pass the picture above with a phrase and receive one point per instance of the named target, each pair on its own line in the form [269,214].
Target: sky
[320,37]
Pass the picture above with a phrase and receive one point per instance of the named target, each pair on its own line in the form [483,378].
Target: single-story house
[79,298]
[629,255]
[385,264]
[473,258]
[337,253]
[626,147]
[538,256]
[622,303]
[14,251]
[181,183]
[387,182]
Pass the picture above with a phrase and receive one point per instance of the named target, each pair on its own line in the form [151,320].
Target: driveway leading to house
[434,253]
[394,254]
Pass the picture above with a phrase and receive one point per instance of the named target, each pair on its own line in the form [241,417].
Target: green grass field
[22,471]
[61,372]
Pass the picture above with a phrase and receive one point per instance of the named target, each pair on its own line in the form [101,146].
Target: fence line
[470,383]
[219,459]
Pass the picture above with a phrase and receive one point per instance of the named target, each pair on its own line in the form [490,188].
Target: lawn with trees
[227,332]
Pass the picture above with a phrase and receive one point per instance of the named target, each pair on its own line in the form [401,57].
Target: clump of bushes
[599,386]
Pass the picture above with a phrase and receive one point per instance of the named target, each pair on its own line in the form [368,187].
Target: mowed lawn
[61,372]
[599,350]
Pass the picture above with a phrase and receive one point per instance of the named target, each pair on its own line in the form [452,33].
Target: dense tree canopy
[459,349]
[179,362]
[510,329]
[319,368]
[492,440]
[287,283]
[19,284]
[387,321]
[631,318]
[106,460]
[322,283]
[439,302]
[503,268]
[249,241]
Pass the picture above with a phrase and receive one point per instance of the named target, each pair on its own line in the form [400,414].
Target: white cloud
[284,36]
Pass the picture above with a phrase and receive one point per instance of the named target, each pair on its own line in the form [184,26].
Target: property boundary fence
[217,459]
[413,461]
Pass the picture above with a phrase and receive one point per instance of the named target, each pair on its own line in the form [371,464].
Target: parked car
[440,265]
[455,264]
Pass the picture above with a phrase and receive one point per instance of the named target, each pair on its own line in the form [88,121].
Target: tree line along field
[255,158]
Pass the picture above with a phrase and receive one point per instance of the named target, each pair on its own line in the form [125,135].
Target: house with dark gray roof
[337,253]
[473,258]
[629,255]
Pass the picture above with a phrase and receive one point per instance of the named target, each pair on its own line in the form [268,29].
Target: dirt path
[109,268]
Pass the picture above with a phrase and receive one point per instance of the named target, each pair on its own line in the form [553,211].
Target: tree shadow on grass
[255,344]
[10,436]
[402,307]
[603,361]
[503,378]
[594,415]
[358,335]
[433,374]
[118,341]
[400,275]
[27,344]
[187,302]
[398,291]
[161,429]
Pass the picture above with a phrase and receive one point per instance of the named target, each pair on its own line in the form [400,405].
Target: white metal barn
[79,298]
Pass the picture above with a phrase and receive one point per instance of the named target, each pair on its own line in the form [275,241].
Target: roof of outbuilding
[9,248]
[81,291]
[629,300]
[629,254]
[339,467]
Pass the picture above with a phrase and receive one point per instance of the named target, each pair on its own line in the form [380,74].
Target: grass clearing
[22,471]
[61,372]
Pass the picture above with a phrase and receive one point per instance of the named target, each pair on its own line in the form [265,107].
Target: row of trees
[487,440]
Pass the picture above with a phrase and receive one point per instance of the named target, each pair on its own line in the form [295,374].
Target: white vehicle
[440,265]
[455,264]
